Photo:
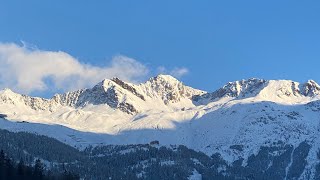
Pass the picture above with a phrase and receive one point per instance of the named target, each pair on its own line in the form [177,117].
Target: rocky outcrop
[310,88]
[242,89]
[128,87]
[169,89]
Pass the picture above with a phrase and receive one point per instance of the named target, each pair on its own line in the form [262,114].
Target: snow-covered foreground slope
[246,114]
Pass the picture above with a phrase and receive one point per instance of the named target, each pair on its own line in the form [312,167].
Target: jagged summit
[311,88]
[157,92]
[244,88]
[163,92]
[269,90]
[236,120]
[169,89]
[6,90]
[164,77]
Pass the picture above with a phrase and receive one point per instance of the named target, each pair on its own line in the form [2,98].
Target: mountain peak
[164,78]
[283,91]
[7,91]
[169,89]
[105,83]
[244,88]
[312,81]
[311,88]
[7,95]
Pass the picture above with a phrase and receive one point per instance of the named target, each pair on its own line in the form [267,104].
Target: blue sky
[217,41]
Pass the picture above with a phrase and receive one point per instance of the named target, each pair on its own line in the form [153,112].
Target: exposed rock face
[244,88]
[169,89]
[35,103]
[69,98]
[106,92]
[241,88]
[236,120]
[293,91]
[283,89]
[128,87]
[163,89]
[310,88]
[115,93]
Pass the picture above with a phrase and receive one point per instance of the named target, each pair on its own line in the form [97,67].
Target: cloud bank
[176,72]
[27,70]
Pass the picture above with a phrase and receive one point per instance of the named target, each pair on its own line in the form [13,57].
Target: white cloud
[28,69]
[179,72]
[176,72]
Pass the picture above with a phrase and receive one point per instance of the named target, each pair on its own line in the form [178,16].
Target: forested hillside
[146,161]
[11,170]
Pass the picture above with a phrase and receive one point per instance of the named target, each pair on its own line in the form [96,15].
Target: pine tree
[38,170]
[68,175]
[2,165]
[2,157]
[21,169]
[9,168]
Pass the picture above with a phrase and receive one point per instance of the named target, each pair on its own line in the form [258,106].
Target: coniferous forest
[30,156]
[10,170]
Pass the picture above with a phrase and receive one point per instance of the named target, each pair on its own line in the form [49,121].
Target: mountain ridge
[248,114]
[164,87]
[113,92]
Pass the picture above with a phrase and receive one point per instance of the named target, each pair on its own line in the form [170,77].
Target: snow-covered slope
[248,113]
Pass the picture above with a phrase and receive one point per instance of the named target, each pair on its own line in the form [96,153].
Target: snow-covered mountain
[248,114]
[115,93]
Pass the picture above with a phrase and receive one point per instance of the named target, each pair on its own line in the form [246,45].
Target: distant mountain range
[234,121]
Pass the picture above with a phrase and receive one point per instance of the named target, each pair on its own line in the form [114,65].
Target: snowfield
[236,120]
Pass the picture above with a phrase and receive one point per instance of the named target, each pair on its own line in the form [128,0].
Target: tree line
[10,170]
